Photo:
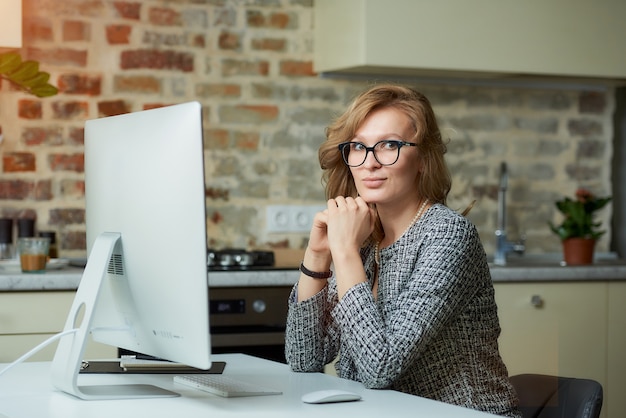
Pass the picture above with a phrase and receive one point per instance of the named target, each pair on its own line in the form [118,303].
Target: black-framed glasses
[386,152]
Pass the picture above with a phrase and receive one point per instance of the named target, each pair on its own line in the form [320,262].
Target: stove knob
[259,306]
[243,259]
[211,258]
[226,260]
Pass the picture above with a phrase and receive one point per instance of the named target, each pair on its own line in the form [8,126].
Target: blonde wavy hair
[434,181]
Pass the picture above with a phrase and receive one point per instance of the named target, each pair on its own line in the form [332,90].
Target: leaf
[40,79]
[9,62]
[26,70]
[46,90]
[25,75]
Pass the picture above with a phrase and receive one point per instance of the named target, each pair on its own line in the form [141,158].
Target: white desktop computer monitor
[145,285]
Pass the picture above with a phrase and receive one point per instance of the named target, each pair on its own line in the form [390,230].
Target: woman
[410,304]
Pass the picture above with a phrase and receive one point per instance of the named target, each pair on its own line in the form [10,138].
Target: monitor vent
[115,265]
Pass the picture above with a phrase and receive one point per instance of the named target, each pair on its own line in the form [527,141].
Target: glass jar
[53,251]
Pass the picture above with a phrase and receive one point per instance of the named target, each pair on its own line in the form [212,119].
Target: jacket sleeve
[311,339]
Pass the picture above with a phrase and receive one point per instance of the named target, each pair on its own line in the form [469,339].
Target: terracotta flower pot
[578,251]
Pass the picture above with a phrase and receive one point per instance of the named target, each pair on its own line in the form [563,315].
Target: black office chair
[543,396]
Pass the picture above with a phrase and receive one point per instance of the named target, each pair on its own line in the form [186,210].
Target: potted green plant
[578,231]
[25,75]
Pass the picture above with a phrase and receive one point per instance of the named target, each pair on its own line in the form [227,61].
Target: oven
[248,318]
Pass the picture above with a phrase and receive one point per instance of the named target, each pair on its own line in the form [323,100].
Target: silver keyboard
[225,386]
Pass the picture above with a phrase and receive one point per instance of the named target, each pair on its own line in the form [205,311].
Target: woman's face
[387,184]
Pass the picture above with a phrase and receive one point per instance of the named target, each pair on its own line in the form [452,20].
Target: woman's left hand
[350,223]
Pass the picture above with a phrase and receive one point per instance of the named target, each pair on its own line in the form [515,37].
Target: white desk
[26,392]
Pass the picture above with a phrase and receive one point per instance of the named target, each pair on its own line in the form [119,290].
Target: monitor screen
[145,285]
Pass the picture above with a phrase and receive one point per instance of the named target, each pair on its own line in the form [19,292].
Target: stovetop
[239,259]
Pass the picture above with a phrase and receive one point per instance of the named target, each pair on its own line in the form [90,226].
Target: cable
[38,348]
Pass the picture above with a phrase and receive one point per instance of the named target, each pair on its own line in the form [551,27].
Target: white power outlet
[291,218]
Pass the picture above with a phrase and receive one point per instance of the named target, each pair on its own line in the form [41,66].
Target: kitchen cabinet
[29,318]
[554,328]
[616,377]
[573,329]
[478,39]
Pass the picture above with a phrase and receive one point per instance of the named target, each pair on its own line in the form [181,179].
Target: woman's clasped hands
[338,233]
[350,221]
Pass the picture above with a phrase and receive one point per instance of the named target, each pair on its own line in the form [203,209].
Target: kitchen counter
[530,269]
[68,278]
[556,273]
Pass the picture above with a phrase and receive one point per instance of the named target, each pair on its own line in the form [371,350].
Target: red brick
[29,109]
[15,213]
[16,189]
[13,162]
[216,218]
[263,113]
[297,68]
[77,136]
[229,41]
[34,136]
[43,190]
[217,139]
[136,84]
[73,240]
[91,8]
[34,29]
[198,40]
[241,67]
[269,44]
[593,102]
[148,106]
[156,59]
[70,110]
[80,84]
[248,141]
[257,19]
[218,90]
[279,20]
[25,190]
[74,30]
[215,193]
[112,108]
[164,17]
[65,162]
[224,17]
[128,10]
[248,113]
[66,216]
[118,34]
[58,56]
[73,189]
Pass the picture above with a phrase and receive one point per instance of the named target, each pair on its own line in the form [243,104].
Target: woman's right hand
[316,257]
[318,238]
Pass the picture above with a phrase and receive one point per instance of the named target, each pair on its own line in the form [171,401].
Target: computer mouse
[330,395]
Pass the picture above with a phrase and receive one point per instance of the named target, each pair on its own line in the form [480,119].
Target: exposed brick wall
[251,65]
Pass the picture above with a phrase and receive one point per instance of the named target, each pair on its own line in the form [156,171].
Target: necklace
[419,213]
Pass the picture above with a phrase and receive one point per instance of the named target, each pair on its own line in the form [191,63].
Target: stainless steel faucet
[503,247]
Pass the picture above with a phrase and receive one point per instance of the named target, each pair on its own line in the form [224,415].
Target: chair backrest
[542,396]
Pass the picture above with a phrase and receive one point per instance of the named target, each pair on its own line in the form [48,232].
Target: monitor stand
[69,354]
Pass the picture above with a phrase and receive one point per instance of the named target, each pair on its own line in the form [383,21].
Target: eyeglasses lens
[355,154]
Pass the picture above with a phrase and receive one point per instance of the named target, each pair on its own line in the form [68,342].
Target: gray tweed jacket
[433,330]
